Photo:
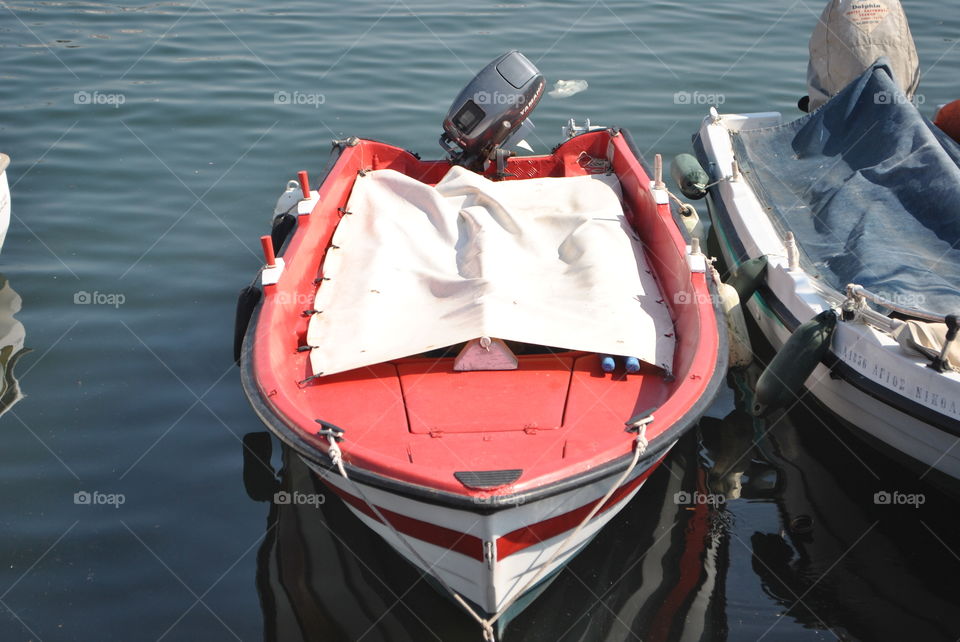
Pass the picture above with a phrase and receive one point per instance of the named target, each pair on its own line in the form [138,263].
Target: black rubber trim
[247,302]
[846,372]
[639,156]
[286,431]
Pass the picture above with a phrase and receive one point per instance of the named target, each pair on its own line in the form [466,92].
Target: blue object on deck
[870,188]
[607,364]
[633,365]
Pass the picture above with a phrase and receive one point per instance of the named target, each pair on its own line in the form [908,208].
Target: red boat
[484,357]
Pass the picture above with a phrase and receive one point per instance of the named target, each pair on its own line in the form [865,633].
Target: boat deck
[420,412]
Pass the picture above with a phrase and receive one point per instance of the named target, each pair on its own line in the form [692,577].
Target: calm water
[149,145]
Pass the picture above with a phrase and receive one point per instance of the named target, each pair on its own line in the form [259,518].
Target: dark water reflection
[846,563]
[782,510]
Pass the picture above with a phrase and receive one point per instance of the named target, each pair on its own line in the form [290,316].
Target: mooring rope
[336,456]
[639,447]
[640,444]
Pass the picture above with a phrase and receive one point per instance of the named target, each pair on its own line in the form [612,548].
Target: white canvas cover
[849,37]
[548,261]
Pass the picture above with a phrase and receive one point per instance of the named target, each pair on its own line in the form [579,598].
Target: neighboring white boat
[4,197]
[900,395]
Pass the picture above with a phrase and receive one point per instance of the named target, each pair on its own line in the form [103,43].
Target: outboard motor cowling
[849,37]
[490,109]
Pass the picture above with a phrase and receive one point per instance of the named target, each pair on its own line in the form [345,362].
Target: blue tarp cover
[871,190]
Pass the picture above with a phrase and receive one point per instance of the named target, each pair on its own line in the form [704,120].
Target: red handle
[304,183]
[268,254]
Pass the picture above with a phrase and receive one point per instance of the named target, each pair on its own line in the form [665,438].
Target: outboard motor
[490,109]
[849,37]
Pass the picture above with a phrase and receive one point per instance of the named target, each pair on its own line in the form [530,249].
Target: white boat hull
[933,448]
[497,569]
[4,198]
[890,395]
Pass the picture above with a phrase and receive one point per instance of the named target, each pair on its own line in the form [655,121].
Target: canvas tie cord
[640,444]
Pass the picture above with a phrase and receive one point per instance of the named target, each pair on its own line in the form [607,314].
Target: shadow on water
[832,559]
[12,335]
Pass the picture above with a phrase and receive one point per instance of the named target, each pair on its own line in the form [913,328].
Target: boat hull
[488,557]
[891,398]
[4,198]
[483,508]
[924,447]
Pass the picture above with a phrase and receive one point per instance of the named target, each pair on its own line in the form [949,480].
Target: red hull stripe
[472,546]
[692,569]
[541,531]
[447,538]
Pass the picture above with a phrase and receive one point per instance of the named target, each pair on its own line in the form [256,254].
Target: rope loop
[854,305]
[335,454]
[641,442]
[488,634]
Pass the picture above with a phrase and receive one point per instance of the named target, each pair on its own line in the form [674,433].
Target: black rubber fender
[750,274]
[782,380]
[283,224]
[246,304]
[690,176]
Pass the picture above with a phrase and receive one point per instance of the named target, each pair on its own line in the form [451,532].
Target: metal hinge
[488,554]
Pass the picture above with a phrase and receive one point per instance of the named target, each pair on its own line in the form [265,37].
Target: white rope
[336,457]
[639,448]
[683,206]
